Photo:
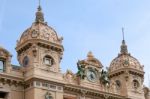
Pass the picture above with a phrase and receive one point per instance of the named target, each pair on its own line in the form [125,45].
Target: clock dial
[91,75]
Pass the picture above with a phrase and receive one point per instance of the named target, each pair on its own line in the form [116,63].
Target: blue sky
[86,25]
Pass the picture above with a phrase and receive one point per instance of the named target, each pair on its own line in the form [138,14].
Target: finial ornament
[90,55]
[39,7]
[124,49]
[39,14]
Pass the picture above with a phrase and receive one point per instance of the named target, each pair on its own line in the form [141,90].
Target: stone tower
[39,53]
[39,46]
[127,74]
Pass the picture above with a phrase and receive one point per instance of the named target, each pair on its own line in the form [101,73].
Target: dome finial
[90,54]
[124,49]
[39,14]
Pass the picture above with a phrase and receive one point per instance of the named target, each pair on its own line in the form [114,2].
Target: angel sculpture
[104,79]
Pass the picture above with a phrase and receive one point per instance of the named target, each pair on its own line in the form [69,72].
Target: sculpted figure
[104,79]
[81,71]
[48,96]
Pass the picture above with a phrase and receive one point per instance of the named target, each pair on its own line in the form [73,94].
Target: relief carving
[48,95]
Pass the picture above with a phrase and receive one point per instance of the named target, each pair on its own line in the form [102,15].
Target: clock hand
[92,76]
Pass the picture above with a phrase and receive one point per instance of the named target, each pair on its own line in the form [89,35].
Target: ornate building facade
[40,51]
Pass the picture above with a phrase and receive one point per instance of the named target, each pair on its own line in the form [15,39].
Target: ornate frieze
[11,82]
[84,92]
[45,85]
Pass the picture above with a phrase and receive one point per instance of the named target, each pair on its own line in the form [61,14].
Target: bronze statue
[104,79]
[81,71]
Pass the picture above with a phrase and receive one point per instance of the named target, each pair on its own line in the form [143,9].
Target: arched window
[118,84]
[25,61]
[2,65]
[135,84]
[48,60]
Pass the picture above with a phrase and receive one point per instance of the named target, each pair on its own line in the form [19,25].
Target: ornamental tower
[127,74]
[39,51]
[40,46]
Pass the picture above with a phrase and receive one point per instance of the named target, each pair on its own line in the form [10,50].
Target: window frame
[4,65]
[135,84]
[118,84]
[25,59]
[50,61]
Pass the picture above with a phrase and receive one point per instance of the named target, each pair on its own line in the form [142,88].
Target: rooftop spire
[123,33]
[39,2]
[124,49]
[39,14]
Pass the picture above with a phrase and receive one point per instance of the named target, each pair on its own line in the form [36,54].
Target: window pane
[50,61]
[1,66]
[47,61]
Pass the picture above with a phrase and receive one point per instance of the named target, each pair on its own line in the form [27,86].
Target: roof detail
[125,60]
[40,30]
[91,60]
[4,53]
[90,55]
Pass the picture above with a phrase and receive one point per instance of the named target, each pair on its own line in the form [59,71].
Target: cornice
[91,92]
[10,76]
[123,70]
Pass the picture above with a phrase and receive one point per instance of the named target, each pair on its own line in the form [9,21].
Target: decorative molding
[91,93]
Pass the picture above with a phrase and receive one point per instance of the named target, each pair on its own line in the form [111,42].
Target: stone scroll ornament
[81,71]
[48,96]
[104,78]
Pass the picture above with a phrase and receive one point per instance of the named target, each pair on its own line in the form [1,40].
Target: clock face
[91,75]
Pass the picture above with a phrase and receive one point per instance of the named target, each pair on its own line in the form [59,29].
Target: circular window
[25,61]
[48,60]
